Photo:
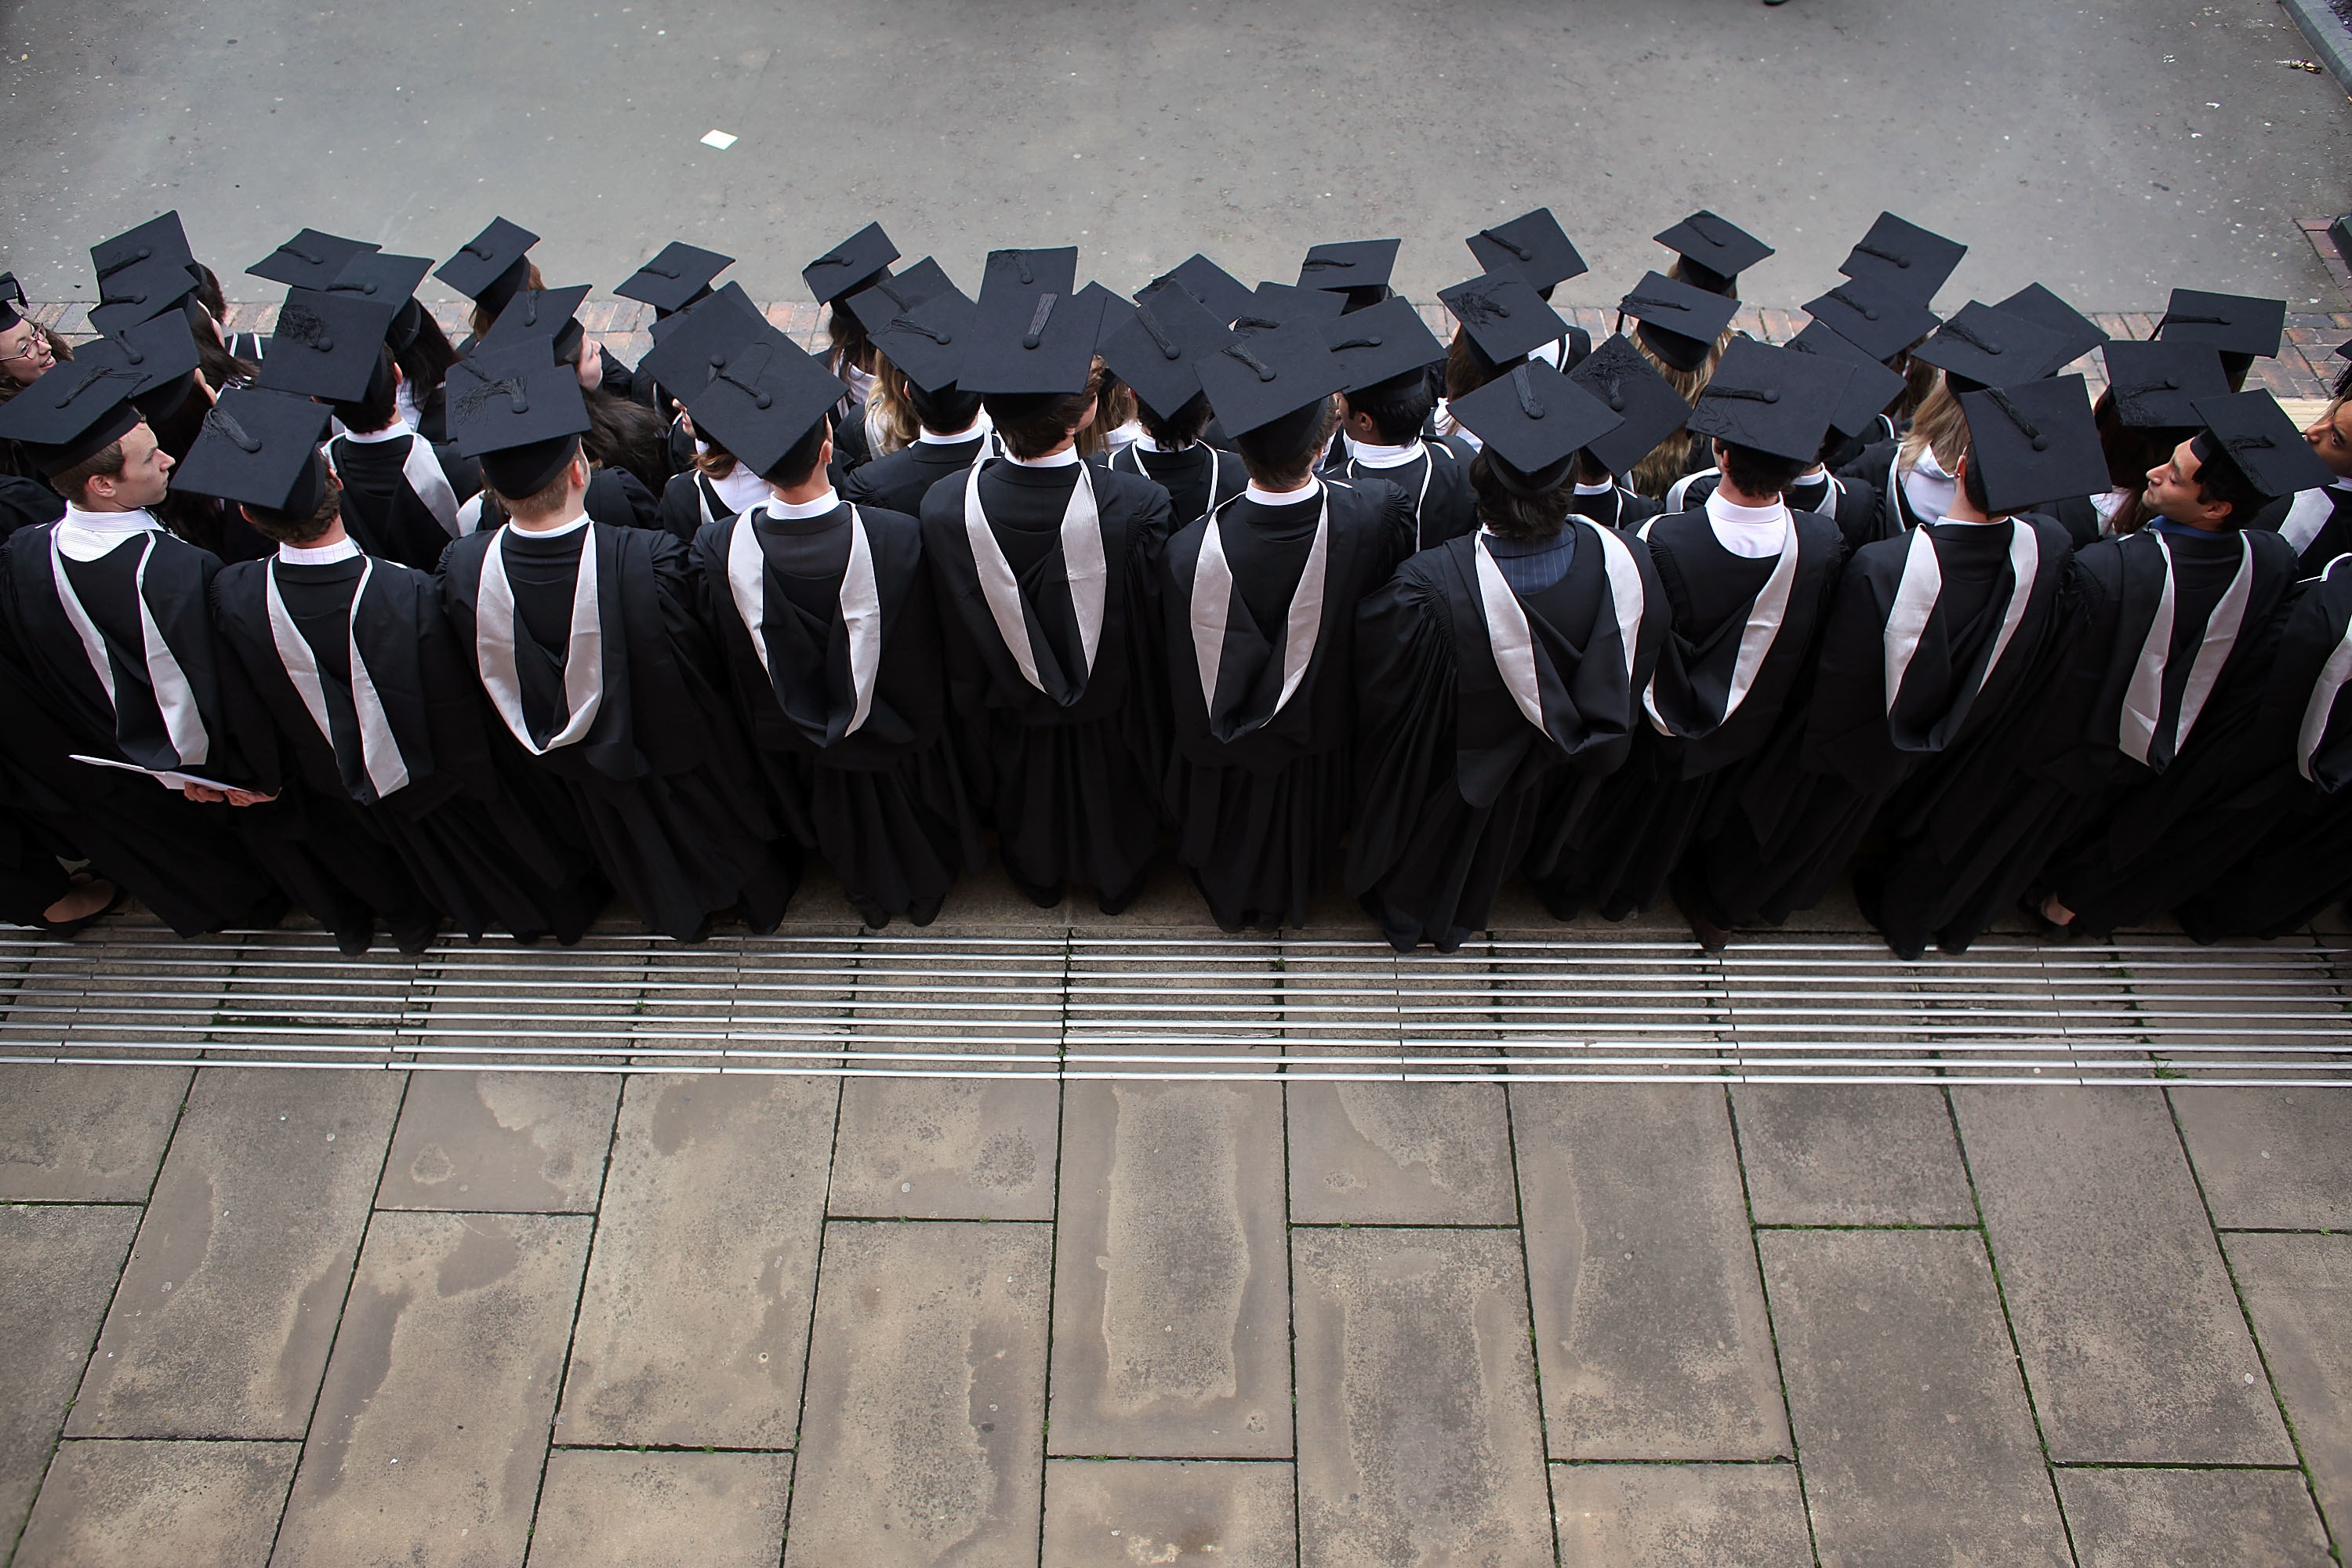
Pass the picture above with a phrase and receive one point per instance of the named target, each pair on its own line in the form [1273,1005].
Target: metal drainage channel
[1080,1005]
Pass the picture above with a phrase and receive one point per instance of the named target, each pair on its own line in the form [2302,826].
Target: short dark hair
[379,405]
[1281,453]
[799,460]
[2219,479]
[287,527]
[947,411]
[1033,423]
[1758,472]
[1181,428]
[1397,406]
[1529,518]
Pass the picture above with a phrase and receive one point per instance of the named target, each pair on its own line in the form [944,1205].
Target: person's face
[2172,490]
[144,479]
[24,353]
[2331,437]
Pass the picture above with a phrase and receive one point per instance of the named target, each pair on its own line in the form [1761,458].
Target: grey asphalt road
[2112,150]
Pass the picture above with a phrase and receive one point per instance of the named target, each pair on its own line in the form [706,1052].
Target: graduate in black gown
[824,609]
[2173,646]
[1259,601]
[108,613]
[925,345]
[1158,355]
[1930,638]
[1046,569]
[858,264]
[1494,669]
[1680,329]
[355,706]
[586,639]
[1383,410]
[1748,574]
[677,278]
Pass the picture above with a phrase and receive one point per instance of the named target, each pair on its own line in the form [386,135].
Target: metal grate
[1099,1002]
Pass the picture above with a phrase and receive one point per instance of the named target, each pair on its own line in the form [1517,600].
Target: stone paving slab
[946,1149]
[133,1504]
[1171,1298]
[2269,1160]
[2132,1338]
[924,1420]
[2298,1292]
[2228,1519]
[1649,1321]
[228,1308]
[501,1142]
[1400,1154]
[1680,1516]
[1851,1154]
[431,1432]
[618,1509]
[86,1134]
[1420,1437]
[693,1328]
[1918,1443]
[62,1265]
[1118,1513]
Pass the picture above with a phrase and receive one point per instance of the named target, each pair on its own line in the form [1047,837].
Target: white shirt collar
[2342,484]
[739,488]
[86,535]
[1751,533]
[1599,490]
[557,531]
[1308,492]
[1064,458]
[1144,443]
[979,428]
[1968,522]
[1373,457]
[391,432]
[787,511]
[343,548]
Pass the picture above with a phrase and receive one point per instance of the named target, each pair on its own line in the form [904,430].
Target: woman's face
[25,353]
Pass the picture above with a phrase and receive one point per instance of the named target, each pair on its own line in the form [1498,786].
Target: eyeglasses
[35,347]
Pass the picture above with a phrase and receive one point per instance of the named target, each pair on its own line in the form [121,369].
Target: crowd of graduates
[422,636]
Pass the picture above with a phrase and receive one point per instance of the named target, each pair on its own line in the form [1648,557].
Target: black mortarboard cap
[1534,419]
[1257,379]
[1985,347]
[1776,400]
[1279,303]
[309,260]
[1532,245]
[1917,261]
[157,239]
[518,411]
[927,342]
[1221,294]
[2078,334]
[491,267]
[1631,388]
[1158,351]
[162,353]
[674,279]
[1382,343]
[2155,384]
[2264,442]
[898,294]
[1031,333]
[1873,386]
[538,315]
[1679,321]
[260,448]
[1351,265]
[850,265]
[326,345]
[2234,323]
[731,298]
[749,388]
[1714,250]
[1504,315]
[141,292]
[1873,315]
[1112,311]
[2034,442]
[79,407]
[381,276]
[12,307]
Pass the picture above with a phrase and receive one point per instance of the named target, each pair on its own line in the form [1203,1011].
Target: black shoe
[415,940]
[2042,925]
[65,931]
[1711,937]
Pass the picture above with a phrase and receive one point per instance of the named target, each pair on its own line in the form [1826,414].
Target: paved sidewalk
[577,1318]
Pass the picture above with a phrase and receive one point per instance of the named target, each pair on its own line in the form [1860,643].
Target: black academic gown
[402,768]
[2012,804]
[1197,479]
[193,864]
[844,697]
[398,504]
[1065,755]
[663,782]
[1436,484]
[1617,508]
[2285,834]
[1782,829]
[1258,782]
[1453,778]
[899,480]
[26,503]
[1854,504]
[2317,523]
[1620,841]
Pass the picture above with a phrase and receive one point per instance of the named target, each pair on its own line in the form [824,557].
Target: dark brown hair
[1531,518]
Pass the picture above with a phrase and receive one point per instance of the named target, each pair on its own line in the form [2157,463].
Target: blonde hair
[1939,427]
[1670,458]
[1114,406]
[890,418]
